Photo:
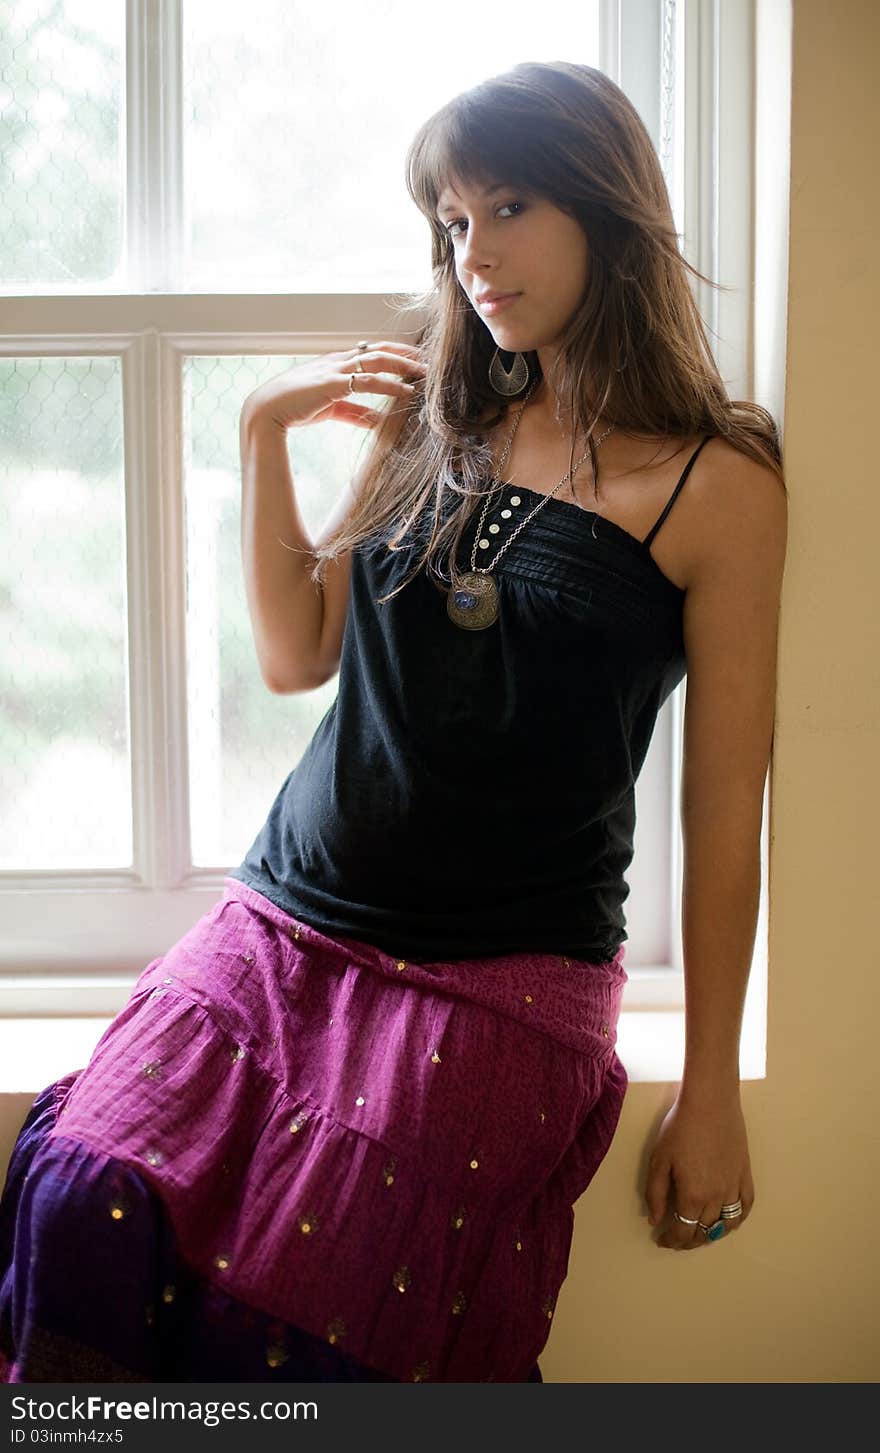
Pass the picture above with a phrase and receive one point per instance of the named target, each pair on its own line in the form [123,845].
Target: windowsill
[40,1050]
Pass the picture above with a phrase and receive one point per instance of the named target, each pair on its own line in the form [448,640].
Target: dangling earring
[512,383]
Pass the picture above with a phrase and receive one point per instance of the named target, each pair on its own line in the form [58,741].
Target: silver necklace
[473,604]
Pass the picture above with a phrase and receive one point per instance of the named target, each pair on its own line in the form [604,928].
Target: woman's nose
[477,247]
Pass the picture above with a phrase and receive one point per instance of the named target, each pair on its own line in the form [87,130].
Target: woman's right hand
[321,389]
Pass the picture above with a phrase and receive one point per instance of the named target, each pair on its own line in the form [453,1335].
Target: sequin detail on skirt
[328,1152]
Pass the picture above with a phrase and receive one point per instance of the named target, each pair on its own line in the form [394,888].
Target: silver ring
[360,367]
[351,378]
[363,346]
[713,1232]
[684,1220]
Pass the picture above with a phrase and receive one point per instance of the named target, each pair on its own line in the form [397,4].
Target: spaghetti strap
[675,493]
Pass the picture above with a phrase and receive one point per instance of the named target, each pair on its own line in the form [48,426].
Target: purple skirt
[296,1158]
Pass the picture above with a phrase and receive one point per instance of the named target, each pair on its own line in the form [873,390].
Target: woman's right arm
[297,624]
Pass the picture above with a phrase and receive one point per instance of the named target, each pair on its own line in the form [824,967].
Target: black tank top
[471,792]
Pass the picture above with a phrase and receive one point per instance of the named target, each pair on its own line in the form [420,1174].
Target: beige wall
[795,1295]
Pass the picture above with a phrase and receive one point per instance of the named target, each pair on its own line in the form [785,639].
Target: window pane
[297,120]
[61,74]
[243,740]
[65,773]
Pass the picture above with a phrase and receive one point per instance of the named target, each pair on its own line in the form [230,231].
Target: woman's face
[506,241]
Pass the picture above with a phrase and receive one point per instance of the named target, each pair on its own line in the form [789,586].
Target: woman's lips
[496,304]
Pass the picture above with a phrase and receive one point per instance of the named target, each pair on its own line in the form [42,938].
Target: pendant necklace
[473,604]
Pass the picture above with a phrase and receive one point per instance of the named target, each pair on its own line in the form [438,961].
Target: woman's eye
[459,221]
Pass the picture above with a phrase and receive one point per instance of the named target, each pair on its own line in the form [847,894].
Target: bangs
[479,141]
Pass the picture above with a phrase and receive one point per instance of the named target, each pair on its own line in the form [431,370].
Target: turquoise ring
[714,1231]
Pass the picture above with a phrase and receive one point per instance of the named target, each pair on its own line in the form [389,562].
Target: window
[193,202]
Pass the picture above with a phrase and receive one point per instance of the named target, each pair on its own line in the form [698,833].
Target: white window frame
[73,942]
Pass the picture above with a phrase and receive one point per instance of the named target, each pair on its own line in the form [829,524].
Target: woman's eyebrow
[488,192]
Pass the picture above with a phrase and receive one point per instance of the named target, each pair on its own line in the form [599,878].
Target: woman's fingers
[378,383]
[384,353]
[383,368]
[403,350]
[682,1236]
[352,413]
[346,411]
[381,360]
[305,393]
[383,373]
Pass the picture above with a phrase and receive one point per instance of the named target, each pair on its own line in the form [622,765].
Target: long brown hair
[635,353]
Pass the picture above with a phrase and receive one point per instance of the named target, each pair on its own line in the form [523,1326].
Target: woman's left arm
[700,1159]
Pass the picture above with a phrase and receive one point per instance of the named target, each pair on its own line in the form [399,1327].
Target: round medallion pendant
[474,605]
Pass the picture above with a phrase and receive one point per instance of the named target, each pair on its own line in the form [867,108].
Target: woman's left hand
[699,1163]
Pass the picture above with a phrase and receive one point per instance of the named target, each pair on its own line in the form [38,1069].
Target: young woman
[338,1130]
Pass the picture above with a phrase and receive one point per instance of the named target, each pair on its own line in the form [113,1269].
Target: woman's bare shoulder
[733,477]
[737,503]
